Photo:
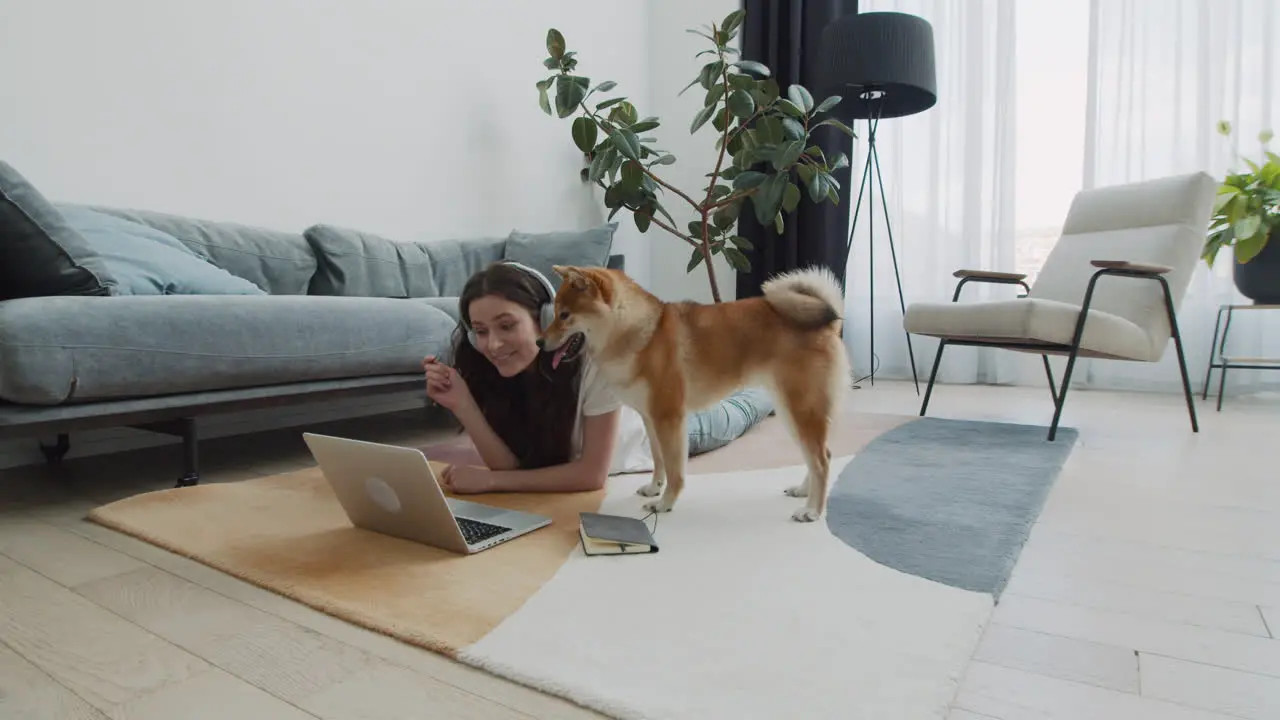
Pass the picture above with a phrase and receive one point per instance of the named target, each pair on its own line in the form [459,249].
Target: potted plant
[766,160]
[1245,217]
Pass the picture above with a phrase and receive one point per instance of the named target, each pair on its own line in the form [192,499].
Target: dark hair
[533,412]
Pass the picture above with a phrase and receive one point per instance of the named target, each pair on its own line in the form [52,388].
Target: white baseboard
[25,451]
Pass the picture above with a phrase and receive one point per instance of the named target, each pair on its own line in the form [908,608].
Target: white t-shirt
[631,447]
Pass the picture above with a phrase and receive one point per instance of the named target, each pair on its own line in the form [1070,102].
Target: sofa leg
[184,428]
[53,454]
[190,454]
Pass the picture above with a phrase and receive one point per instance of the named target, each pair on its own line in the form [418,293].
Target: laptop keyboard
[475,531]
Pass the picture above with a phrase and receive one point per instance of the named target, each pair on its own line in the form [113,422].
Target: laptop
[394,491]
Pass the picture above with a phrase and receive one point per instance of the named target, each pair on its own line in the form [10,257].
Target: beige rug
[287,533]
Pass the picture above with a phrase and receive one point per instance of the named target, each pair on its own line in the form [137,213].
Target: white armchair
[1110,288]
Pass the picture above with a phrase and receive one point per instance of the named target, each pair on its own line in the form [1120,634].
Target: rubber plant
[765,157]
[1247,208]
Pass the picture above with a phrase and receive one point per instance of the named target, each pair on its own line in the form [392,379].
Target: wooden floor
[1149,589]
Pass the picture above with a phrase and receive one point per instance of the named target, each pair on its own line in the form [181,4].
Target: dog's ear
[576,279]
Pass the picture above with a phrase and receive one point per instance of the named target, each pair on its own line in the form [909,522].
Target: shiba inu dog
[669,359]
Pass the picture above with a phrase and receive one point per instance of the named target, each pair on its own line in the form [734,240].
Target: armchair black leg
[1048,371]
[937,360]
[1182,359]
[1061,398]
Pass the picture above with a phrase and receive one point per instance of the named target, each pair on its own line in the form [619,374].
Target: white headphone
[546,313]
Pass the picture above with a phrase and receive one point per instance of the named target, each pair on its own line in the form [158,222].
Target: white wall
[672,66]
[410,118]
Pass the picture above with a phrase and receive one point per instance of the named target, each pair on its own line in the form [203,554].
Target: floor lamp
[882,65]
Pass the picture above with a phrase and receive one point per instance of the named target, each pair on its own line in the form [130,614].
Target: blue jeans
[720,425]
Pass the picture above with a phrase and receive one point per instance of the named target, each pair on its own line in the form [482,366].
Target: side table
[1224,362]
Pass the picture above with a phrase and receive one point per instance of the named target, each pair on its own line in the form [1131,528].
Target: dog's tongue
[558,356]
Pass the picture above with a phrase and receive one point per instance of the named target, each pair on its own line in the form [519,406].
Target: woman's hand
[467,480]
[444,385]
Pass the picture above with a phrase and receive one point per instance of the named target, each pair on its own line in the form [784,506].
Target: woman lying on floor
[538,429]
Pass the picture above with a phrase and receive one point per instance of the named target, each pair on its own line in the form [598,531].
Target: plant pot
[1259,279]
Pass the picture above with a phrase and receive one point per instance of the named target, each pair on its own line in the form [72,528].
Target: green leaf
[817,183]
[792,129]
[741,104]
[571,90]
[788,155]
[555,43]
[544,101]
[701,118]
[627,143]
[741,242]
[790,108]
[801,97]
[779,225]
[1246,227]
[642,220]
[838,125]
[709,73]
[752,66]
[737,260]
[643,126]
[841,161]
[1247,248]
[769,131]
[694,260]
[600,164]
[827,104]
[632,174]
[713,95]
[667,159]
[605,86]
[584,133]
[790,197]
[732,21]
[624,113]
[610,103]
[749,179]
[726,216]
[769,198]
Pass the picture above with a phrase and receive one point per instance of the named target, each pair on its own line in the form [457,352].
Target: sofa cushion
[146,261]
[360,264]
[280,263]
[540,251]
[79,349]
[39,253]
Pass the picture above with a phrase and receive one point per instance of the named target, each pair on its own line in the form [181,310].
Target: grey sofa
[321,313]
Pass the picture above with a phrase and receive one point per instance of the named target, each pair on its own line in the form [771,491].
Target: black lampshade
[886,51]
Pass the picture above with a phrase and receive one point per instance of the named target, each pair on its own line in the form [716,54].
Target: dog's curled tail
[809,297]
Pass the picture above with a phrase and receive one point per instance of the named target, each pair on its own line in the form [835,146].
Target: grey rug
[948,500]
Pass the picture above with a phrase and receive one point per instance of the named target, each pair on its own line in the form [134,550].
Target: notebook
[614,535]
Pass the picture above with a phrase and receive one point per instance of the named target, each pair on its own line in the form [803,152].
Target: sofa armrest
[990,275]
[1125,265]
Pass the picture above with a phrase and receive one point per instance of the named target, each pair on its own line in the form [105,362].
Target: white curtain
[1163,73]
[1032,107]
[949,182]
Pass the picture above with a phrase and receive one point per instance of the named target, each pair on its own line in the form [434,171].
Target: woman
[535,428]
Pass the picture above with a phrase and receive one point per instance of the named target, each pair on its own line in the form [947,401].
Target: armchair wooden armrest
[989,275]
[1145,268]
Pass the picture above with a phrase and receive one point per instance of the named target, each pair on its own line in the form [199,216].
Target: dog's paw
[649,490]
[658,506]
[805,515]
[798,491]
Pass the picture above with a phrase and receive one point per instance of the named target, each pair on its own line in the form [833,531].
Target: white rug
[743,613]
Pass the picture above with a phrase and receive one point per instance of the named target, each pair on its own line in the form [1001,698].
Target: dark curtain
[784,35]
